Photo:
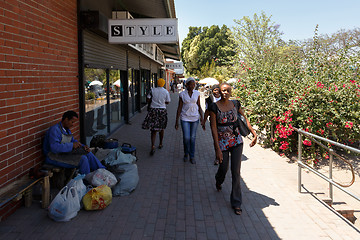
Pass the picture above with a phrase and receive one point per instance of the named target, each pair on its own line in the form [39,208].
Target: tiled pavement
[177,200]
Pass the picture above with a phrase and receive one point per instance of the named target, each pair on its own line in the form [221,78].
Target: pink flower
[307,142]
[284,145]
[320,85]
[328,124]
[320,131]
[349,125]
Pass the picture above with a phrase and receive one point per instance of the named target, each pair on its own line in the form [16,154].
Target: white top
[215,99]
[190,109]
[159,96]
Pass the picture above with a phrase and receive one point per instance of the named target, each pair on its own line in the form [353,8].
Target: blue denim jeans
[189,137]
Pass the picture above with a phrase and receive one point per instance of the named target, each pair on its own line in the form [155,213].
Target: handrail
[332,153]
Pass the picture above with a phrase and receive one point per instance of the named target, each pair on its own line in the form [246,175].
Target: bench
[22,187]
[60,176]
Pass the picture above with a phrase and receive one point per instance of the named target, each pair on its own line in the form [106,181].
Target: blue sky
[297,19]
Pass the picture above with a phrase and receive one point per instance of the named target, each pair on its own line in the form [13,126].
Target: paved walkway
[177,200]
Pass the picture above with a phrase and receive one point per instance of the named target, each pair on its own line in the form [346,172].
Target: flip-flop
[218,187]
[160,146]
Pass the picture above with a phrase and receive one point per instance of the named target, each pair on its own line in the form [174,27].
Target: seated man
[61,149]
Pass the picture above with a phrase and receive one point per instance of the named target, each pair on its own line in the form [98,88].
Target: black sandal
[160,146]
[218,187]
[237,210]
[152,151]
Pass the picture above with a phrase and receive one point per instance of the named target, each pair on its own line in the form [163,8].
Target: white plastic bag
[79,186]
[101,176]
[65,205]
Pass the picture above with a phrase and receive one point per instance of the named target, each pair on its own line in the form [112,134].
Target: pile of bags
[75,194]
[120,179]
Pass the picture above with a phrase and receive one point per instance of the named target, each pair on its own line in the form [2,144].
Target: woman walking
[227,140]
[156,118]
[214,97]
[189,112]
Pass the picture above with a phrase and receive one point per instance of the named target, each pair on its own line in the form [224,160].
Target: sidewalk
[177,200]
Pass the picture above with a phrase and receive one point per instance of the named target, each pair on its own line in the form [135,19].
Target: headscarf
[189,80]
[160,82]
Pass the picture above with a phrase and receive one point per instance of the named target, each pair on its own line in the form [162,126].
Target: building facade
[52,54]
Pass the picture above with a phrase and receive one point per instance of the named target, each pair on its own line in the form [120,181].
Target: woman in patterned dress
[156,119]
[228,140]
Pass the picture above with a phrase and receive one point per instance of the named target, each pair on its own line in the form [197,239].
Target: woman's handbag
[243,127]
[241,122]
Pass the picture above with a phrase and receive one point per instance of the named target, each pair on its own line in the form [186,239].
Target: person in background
[156,118]
[189,112]
[227,140]
[213,97]
[179,87]
[61,149]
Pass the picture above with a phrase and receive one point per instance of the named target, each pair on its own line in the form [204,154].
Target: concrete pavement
[177,200]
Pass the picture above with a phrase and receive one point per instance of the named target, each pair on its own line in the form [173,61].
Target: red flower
[284,145]
[328,124]
[349,125]
[320,131]
[307,142]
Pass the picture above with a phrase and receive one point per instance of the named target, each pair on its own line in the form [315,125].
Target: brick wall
[38,78]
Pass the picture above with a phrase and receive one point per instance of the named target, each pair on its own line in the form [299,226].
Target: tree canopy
[207,48]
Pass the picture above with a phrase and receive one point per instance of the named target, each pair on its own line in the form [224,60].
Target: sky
[297,19]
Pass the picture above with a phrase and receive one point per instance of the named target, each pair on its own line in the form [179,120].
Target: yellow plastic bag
[97,198]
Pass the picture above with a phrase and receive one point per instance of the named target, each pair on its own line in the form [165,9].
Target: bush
[318,93]
[89,96]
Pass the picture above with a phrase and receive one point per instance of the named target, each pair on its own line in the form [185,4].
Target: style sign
[175,65]
[144,30]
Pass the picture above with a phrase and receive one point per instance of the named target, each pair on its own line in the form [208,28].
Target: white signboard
[176,65]
[143,30]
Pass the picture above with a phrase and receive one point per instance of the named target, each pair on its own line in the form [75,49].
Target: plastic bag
[79,186]
[101,176]
[65,205]
[97,198]
[127,180]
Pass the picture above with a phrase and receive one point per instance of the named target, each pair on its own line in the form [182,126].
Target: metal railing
[332,153]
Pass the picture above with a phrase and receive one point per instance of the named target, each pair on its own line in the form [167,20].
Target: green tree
[202,46]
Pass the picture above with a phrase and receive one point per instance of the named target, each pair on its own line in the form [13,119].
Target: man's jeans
[189,136]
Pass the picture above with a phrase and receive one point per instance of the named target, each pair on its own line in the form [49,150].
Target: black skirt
[156,119]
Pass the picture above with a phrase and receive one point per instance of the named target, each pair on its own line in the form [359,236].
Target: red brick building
[46,50]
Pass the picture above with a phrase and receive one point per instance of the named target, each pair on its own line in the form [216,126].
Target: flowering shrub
[318,93]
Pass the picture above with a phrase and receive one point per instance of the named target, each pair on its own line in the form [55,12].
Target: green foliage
[208,50]
[299,84]
[89,95]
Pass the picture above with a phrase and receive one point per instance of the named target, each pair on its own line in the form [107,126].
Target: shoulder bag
[241,122]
